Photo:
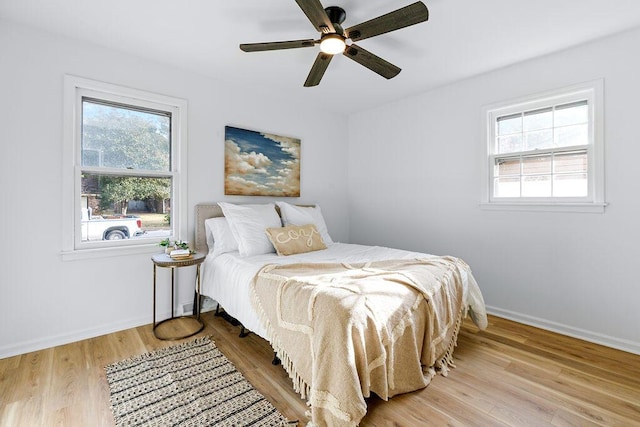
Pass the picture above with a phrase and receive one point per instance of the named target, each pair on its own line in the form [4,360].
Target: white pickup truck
[97,227]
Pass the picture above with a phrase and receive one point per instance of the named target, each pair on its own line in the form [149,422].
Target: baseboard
[52,341]
[41,344]
[594,337]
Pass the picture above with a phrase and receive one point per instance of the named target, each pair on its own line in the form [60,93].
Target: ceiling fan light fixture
[332,44]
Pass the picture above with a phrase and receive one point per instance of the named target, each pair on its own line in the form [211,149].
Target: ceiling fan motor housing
[336,14]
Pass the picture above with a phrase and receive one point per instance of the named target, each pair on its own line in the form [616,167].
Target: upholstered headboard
[205,211]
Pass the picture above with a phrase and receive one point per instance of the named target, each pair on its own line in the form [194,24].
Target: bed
[346,320]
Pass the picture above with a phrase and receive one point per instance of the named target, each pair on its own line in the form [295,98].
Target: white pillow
[208,233]
[248,224]
[302,215]
[220,239]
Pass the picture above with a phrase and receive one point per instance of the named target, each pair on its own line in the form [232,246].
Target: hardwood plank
[566,418]
[621,391]
[68,379]
[508,375]
[506,392]
[574,395]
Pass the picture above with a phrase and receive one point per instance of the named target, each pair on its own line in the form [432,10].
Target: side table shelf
[165,261]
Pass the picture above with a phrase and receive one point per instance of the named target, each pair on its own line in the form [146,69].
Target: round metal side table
[165,261]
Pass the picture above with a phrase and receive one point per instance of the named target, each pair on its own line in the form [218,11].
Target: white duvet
[226,278]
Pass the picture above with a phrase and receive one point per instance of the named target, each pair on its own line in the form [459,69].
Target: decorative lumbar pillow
[296,239]
[220,239]
[248,223]
[301,215]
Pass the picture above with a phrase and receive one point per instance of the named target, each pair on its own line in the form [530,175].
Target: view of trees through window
[126,175]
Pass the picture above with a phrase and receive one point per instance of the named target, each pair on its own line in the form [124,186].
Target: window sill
[80,254]
[545,207]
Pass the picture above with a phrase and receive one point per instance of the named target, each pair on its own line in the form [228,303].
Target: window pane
[506,187]
[570,185]
[539,119]
[507,167]
[509,144]
[123,207]
[536,186]
[572,114]
[536,165]
[572,135]
[538,140]
[117,137]
[510,124]
[570,162]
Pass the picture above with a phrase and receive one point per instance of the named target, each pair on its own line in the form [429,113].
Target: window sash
[150,114]
[523,171]
[131,104]
[551,127]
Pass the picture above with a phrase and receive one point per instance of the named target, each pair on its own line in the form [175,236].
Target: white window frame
[594,202]
[75,89]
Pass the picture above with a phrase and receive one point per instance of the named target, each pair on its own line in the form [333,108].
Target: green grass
[151,221]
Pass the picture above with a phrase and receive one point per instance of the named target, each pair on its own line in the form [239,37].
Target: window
[123,171]
[546,152]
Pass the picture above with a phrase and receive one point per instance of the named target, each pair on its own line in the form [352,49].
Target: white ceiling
[462,38]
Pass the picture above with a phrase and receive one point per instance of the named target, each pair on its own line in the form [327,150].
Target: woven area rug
[189,384]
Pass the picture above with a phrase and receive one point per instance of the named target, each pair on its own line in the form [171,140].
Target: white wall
[45,301]
[414,174]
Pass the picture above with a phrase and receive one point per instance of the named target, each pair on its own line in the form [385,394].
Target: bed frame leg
[276,360]
[244,332]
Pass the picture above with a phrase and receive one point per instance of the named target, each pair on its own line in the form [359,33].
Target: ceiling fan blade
[292,44]
[404,17]
[316,14]
[371,61]
[317,70]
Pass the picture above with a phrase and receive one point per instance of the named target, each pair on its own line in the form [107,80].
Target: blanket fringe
[300,386]
[446,361]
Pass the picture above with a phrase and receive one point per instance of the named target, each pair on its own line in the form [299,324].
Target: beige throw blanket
[343,331]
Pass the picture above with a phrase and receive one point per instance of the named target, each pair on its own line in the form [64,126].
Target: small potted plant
[166,244]
[177,244]
[181,244]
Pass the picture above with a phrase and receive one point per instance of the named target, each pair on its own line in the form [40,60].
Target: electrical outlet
[187,308]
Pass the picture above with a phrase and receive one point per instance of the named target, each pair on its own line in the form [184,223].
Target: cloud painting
[261,164]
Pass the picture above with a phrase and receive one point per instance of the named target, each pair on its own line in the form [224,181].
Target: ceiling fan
[333,37]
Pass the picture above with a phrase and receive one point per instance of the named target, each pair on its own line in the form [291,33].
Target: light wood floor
[510,374]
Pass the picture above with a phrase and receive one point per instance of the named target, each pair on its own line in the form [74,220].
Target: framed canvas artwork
[261,164]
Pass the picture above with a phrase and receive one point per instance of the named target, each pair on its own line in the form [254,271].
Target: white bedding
[226,278]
